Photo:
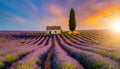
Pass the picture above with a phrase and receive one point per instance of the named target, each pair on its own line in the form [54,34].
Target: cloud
[19,19]
[90,13]
[69,1]
[15,18]
[58,13]
[35,8]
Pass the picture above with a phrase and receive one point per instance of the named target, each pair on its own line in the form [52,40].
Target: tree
[72,20]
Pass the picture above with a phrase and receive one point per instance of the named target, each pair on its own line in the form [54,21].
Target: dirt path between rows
[48,59]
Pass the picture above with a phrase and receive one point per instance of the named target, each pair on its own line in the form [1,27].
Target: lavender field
[34,50]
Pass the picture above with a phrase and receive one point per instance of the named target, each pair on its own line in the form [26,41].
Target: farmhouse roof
[53,27]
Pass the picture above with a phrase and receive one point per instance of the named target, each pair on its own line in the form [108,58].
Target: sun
[115,25]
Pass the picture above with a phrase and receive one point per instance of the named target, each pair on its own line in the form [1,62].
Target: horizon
[45,30]
[35,15]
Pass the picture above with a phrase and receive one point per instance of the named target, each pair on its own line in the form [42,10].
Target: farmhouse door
[50,32]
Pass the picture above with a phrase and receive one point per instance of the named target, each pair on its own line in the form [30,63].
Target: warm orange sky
[36,14]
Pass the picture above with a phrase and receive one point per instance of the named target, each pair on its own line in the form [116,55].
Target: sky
[35,15]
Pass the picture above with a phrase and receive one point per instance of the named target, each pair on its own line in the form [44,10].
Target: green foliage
[1,64]
[97,65]
[67,66]
[103,65]
[22,54]
[65,32]
[115,56]
[10,58]
[25,66]
[72,20]
[59,67]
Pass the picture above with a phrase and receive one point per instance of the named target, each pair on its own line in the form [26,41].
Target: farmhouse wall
[54,31]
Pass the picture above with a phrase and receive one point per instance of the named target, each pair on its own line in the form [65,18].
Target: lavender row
[104,51]
[11,49]
[34,60]
[34,38]
[92,45]
[38,39]
[95,49]
[61,60]
[88,59]
[99,41]
[16,53]
[13,56]
[82,40]
[112,55]
[88,48]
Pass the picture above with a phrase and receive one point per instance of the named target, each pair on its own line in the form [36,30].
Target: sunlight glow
[115,25]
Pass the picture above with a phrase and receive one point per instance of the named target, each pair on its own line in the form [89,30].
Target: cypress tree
[72,20]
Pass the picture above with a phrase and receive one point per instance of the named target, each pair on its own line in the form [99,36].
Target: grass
[22,54]
[97,65]
[67,66]
[10,58]
[25,66]
[103,65]
[69,32]
[115,56]
[1,64]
